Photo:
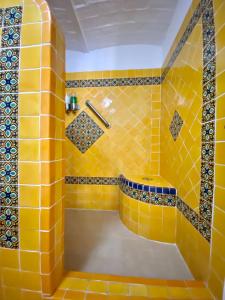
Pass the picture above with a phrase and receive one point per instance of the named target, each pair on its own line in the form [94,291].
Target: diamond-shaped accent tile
[83,132]
[176,125]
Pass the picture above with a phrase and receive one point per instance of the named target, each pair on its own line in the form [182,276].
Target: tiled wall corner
[38,262]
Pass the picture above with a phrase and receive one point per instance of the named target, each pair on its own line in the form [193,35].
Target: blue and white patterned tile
[207,171]
[9,82]
[207,152]
[207,191]
[8,104]
[8,217]
[209,91]
[204,228]
[9,59]
[13,16]
[10,37]
[208,111]
[83,132]
[208,132]
[8,195]
[8,127]
[8,173]
[9,238]
[8,150]
[205,209]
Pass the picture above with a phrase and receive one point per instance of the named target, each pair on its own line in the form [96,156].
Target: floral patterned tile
[13,16]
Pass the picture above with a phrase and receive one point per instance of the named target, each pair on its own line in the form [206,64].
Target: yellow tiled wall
[155,222]
[130,145]
[180,161]
[36,267]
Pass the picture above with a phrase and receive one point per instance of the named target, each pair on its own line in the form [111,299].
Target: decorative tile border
[113,82]
[202,221]
[10,21]
[92,180]
[150,194]
[83,132]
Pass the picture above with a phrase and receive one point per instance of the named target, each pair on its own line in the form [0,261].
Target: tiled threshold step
[88,286]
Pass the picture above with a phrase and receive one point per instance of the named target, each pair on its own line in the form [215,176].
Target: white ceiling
[95,24]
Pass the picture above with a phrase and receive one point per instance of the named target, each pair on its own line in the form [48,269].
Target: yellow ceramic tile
[30,295]
[200,293]
[179,293]
[118,289]
[30,58]
[28,39]
[31,14]
[72,295]
[25,171]
[157,292]
[97,286]
[29,127]
[74,284]
[29,104]
[29,240]
[31,281]
[29,196]
[29,218]
[215,285]
[8,3]
[93,296]
[220,175]
[28,85]
[138,290]
[30,261]
[29,150]
[9,259]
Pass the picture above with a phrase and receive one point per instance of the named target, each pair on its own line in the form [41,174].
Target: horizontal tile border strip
[138,280]
[92,180]
[113,82]
[144,193]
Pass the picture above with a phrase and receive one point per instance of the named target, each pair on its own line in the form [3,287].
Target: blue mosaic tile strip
[147,188]
[10,21]
[113,82]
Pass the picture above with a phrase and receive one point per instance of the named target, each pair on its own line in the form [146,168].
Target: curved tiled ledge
[157,195]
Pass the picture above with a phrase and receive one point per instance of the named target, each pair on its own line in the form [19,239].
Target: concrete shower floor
[98,242]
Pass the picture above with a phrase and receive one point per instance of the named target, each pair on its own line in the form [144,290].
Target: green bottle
[73,102]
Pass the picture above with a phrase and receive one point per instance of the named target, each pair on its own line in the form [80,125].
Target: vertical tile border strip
[11,20]
[203,221]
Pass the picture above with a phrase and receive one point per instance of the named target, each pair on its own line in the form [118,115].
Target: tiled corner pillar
[31,155]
